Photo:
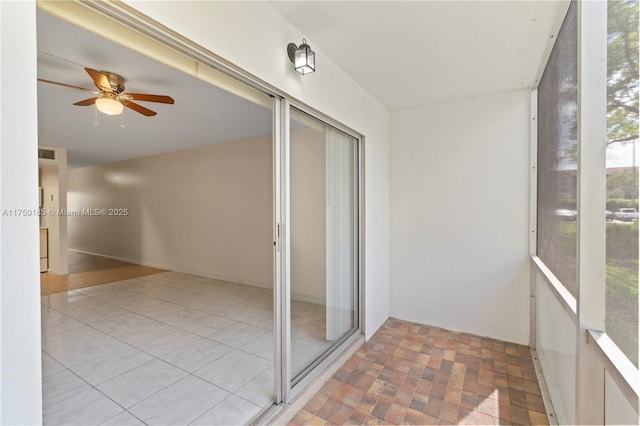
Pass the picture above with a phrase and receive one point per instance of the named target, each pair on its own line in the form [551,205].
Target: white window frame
[596,353]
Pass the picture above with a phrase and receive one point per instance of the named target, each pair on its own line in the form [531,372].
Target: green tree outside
[622,127]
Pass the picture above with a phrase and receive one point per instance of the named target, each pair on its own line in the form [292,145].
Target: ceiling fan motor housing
[115,81]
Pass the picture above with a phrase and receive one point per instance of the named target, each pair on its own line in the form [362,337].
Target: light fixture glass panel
[109,106]
[311,60]
[305,59]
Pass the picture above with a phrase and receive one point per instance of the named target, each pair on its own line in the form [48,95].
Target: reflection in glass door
[323,240]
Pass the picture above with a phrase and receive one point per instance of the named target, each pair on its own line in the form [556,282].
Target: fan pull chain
[122,126]
[95,114]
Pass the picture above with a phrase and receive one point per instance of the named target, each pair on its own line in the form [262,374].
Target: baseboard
[544,390]
[308,298]
[57,272]
[174,269]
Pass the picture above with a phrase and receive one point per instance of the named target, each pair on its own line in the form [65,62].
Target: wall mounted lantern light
[303,58]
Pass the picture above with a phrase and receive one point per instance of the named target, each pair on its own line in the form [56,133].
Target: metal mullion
[277,275]
[285,238]
[323,119]
[361,228]
[356,233]
[533,214]
[591,259]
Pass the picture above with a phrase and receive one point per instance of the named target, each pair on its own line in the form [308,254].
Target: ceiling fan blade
[100,80]
[86,102]
[148,98]
[139,108]
[68,85]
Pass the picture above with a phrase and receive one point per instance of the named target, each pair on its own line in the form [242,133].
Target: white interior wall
[220,227]
[254,36]
[50,221]
[54,188]
[63,238]
[20,368]
[205,211]
[459,215]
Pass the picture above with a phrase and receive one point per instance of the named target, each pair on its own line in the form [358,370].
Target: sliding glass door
[323,268]
[316,220]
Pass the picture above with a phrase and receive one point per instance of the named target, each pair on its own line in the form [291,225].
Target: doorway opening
[167,292]
[239,293]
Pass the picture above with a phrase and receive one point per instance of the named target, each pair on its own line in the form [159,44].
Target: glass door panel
[323,240]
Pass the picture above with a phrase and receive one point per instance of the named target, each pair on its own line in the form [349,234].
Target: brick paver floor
[416,374]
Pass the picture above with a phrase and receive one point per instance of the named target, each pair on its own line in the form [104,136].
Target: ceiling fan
[111,97]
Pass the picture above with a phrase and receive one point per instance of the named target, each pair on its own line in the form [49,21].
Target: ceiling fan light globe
[109,106]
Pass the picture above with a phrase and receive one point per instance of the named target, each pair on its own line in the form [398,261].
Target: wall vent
[48,154]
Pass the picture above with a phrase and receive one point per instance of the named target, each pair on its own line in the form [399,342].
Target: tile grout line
[60,310]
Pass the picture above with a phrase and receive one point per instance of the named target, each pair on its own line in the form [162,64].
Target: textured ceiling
[412,53]
[405,53]
[202,114]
